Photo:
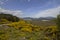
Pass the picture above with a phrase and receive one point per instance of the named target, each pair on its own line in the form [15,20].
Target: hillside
[25,30]
[9,17]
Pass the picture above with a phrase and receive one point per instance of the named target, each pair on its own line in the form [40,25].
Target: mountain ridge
[41,18]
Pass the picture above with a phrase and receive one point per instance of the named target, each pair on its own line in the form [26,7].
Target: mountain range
[41,18]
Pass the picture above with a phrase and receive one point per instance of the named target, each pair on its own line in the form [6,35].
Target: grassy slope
[25,31]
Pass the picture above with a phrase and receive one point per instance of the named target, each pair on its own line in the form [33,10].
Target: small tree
[58,22]
[58,26]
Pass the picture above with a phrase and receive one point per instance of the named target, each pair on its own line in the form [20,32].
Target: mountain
[28,18]
[41,18]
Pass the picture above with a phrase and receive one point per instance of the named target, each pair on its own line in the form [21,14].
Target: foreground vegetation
[24,30]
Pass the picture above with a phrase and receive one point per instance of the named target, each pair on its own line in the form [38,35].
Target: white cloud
[3,2]
[13,12]
[49,12]
[29,0]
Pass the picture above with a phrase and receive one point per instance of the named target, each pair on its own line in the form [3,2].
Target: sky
[31,8]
